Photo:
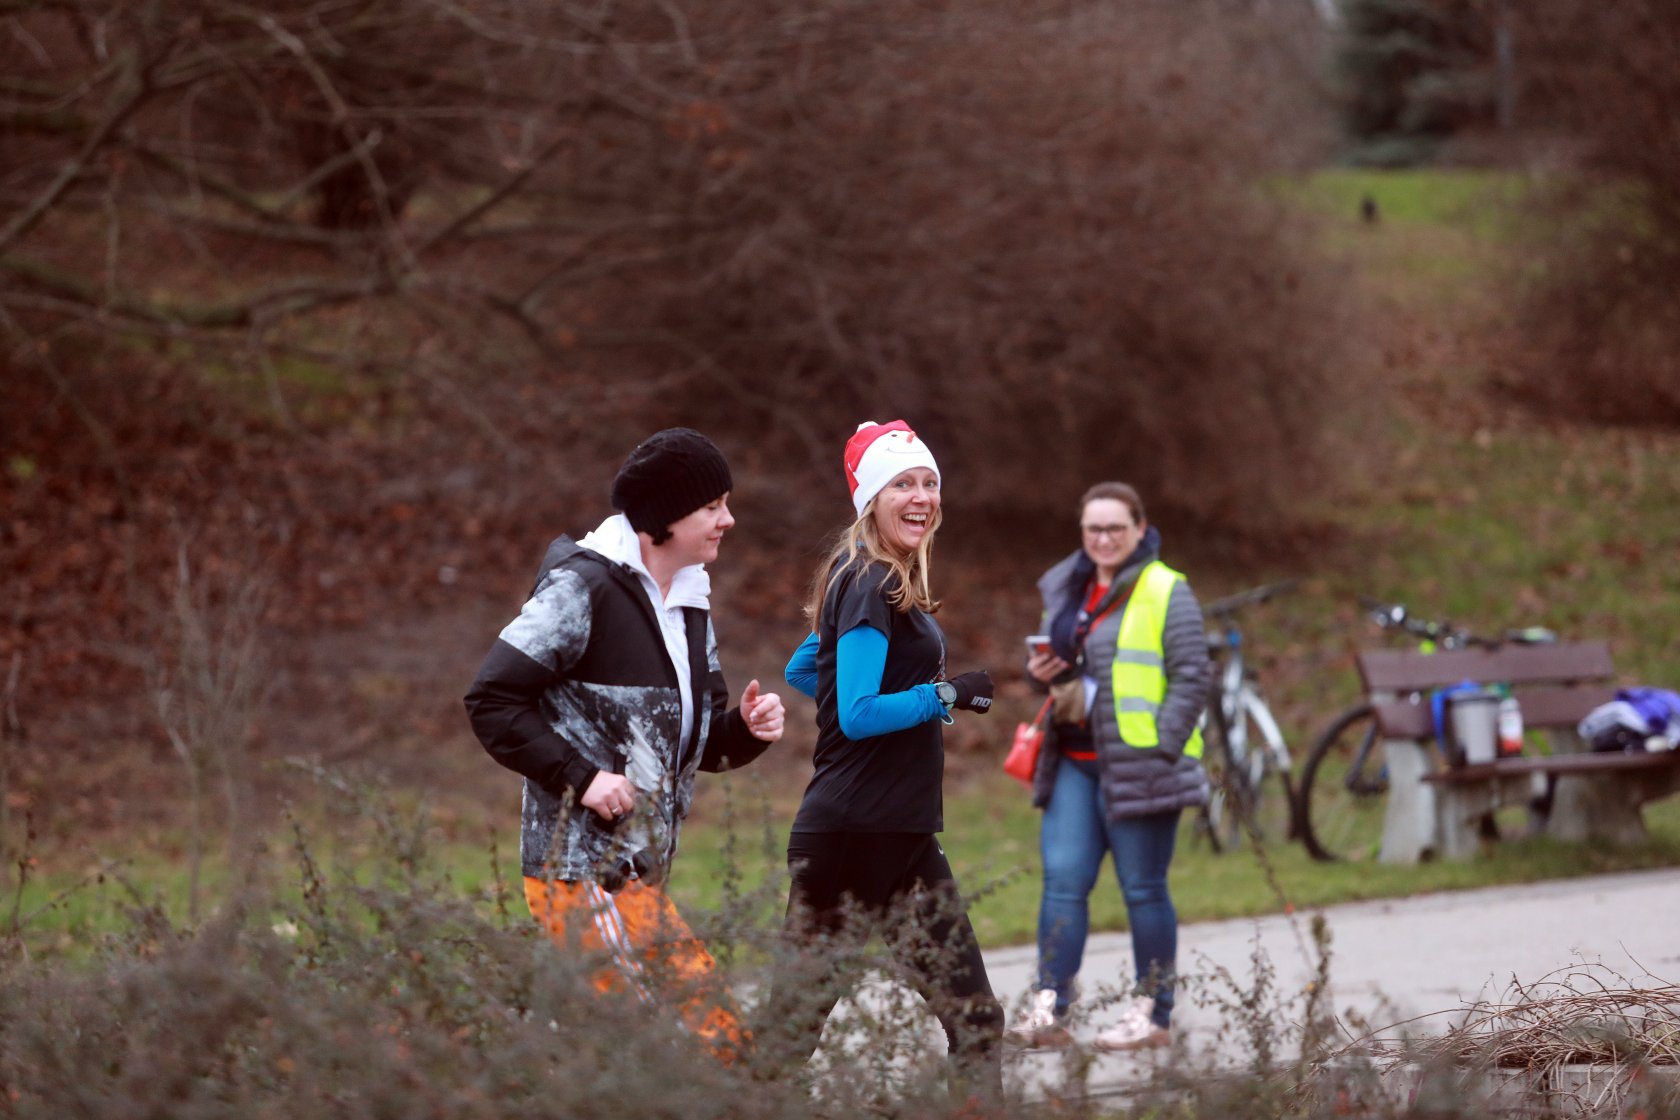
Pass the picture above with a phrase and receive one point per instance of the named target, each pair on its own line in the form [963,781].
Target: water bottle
[1510,724]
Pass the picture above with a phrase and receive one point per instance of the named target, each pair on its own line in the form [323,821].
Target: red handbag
[1022,759]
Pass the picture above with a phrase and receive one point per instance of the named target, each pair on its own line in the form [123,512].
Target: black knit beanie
[668,476]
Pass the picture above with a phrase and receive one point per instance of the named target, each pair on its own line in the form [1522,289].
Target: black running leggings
[847,885]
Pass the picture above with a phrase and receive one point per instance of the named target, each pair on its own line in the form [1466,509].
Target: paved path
[1391,960]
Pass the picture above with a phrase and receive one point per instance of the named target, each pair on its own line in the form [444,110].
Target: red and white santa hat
[877,453]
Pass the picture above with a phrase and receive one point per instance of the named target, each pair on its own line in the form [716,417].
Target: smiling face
[695,538]
[905,509]
[1110,532]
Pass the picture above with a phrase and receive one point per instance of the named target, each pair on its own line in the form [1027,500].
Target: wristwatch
[947,693]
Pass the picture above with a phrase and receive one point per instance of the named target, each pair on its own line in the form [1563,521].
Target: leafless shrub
[1517,1051]
[1035,230]
[420,1009]
[207,696]
[372,985]
[1035,226]
[11,742]
[376,989]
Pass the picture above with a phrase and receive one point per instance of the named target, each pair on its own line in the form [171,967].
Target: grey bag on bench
[1473,724]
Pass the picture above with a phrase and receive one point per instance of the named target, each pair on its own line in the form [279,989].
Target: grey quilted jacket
[1137,781]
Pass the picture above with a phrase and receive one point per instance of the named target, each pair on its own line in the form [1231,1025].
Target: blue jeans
[1073,839]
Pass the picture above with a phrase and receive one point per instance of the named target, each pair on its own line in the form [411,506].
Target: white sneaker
[1038,1025]
[1135,1030]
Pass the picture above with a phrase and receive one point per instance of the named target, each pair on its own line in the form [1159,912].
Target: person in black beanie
[605,694]
[669,474]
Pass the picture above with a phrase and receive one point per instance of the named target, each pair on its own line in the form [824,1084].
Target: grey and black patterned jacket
[582,682]
[1135,782]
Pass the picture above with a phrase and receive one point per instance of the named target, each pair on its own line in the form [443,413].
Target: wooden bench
[1439,810]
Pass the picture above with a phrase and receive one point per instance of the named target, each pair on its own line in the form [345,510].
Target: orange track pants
[650,948]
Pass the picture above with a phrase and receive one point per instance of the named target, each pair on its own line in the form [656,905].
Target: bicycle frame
[1270,732]
[1237,701]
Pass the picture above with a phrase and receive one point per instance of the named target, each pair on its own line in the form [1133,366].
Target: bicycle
[1339,810]
[1242,745]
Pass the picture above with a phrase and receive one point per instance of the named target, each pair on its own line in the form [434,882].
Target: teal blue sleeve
[801,671]
[860,659]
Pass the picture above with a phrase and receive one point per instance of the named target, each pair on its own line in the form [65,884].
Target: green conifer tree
[1411,73]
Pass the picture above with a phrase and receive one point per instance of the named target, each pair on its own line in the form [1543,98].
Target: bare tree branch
[130,96]
[286,299]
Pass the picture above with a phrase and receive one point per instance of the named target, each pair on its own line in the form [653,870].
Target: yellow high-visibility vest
[1140,674]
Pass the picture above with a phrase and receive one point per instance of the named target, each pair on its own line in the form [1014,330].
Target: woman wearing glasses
[1129,672]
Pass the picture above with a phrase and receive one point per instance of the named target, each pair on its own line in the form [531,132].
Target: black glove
[974,691]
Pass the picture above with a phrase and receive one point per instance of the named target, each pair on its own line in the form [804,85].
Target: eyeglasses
[1106,530]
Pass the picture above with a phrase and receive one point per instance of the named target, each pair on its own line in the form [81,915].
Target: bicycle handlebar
[1230,604]
[1395,616]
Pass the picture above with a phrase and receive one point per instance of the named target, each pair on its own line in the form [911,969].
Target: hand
[1045,666]
[974,691]
[610,796]
[763,713]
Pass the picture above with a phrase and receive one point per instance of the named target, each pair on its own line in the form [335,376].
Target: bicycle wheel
[1343,789]
[1271,789]
[1222,816]
[1249,792]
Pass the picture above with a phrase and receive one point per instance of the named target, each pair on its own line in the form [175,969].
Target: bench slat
[1542,708]
[1561,707]
[1401,670]
[1557,764]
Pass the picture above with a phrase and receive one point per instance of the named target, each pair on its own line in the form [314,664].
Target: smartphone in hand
[1038,643]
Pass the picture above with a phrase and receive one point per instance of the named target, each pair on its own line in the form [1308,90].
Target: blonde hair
[910,589]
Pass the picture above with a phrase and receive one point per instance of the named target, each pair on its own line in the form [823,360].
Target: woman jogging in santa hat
[863,853]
